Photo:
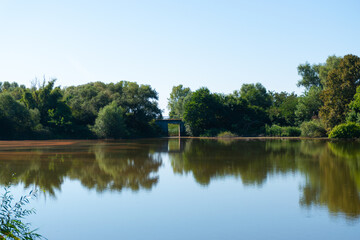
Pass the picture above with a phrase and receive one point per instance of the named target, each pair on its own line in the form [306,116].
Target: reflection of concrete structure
[163,124]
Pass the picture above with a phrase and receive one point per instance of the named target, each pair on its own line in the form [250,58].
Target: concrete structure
[163,124]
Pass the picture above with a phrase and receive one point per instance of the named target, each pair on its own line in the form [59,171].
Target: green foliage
[15,118]
[308,105]
[273,131]
[315,75]
[313,128]
[212,132]
[206,112]
[345,130]
[173,129]
[332,62]
[110,122]
[255,95]
[310,75]
[137,101]
[12,215]
[278,131]
[339,90]
[178,97]
[354,106]
[282,112]
[226,134]
[202,111]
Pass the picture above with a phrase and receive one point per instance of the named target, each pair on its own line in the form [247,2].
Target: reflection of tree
[333,180]
[117,169]
[207,159]
[34,169]
[331,169]
[101,166]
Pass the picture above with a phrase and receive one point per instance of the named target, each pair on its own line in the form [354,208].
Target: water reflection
[99,165]
[331,169]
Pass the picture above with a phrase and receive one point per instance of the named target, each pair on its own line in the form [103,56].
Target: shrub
[313,128]
[213,132]
[274,130]
[226,134]
[12,215]
[290,132]
[345,130]
[277,131]
[110,122]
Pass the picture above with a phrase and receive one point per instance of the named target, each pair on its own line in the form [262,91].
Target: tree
[282,112]
[202,111]
[178,97]
[354,106]
[340,88]
[15,119]
[255,94]
[242,118]
[110,122]
[309,104]
[139,104]
[310,75]
[315,75]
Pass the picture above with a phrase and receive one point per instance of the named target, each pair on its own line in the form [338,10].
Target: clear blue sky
[218,44]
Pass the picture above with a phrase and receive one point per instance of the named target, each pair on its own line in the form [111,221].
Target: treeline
[330,105]
[94,110]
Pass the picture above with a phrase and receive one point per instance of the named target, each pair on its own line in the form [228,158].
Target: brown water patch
[14,144]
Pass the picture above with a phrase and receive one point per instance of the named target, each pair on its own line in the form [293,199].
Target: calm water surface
[188,189]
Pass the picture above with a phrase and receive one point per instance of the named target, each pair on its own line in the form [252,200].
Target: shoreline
[69,142]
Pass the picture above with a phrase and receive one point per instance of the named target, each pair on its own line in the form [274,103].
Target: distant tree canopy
[206,111]
[47,111]
[126,109]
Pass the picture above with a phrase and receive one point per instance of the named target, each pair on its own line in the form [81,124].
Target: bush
[213,132]
[290,132]
[273,131]
[345,130]
[226,134]
[314,128]
[12,215]
[277,131]
[110,122]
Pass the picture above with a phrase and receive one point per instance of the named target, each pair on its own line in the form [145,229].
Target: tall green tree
[340,88]
[310,75]
[178,97]
[315,75]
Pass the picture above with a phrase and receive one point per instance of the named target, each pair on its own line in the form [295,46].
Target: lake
[188,188]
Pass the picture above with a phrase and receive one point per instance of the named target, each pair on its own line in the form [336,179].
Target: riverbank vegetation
[93,110]
[331,98]
[128,110]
